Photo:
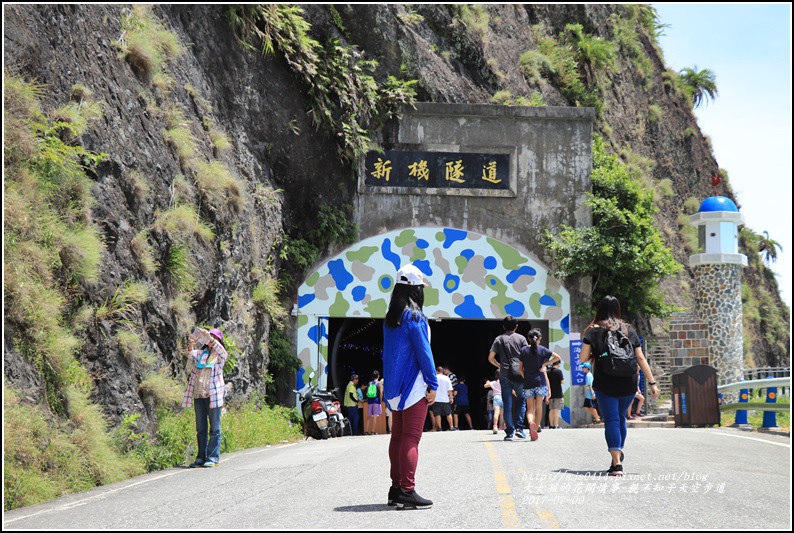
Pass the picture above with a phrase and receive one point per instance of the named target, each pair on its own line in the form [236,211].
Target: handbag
[515,370]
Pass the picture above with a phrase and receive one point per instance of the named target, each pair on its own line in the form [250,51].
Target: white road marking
[755,439]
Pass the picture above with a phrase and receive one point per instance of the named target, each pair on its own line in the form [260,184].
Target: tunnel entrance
[356,346]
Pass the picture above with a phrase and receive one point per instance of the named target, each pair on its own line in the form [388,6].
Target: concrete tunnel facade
[477,243]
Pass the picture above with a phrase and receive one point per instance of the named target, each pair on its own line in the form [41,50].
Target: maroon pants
[406,432]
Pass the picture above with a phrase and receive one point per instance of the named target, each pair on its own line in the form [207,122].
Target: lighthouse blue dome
[718,203]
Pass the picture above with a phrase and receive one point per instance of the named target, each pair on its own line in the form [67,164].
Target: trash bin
[695,401]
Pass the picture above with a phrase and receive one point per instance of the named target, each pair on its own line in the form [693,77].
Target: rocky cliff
[215,177]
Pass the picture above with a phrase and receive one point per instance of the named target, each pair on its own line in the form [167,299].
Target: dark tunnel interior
[356,344]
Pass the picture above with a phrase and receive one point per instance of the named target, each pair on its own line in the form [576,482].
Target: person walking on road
[410,383]
[614,391]
[507,347]
[556,403]
[536,383]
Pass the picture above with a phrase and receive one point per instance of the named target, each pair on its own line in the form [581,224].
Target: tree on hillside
[700,85]
[623,252]
[769,247]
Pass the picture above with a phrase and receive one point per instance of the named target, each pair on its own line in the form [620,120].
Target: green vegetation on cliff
[623,252]
[346,98]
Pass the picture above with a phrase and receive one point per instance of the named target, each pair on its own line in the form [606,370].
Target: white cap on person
[410,275]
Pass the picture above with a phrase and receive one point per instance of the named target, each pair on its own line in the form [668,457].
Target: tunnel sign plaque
[442,170]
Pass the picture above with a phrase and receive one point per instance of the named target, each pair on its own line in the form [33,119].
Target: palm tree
[699,84]
[768,247]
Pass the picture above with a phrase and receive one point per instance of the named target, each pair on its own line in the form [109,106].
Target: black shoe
[410,500]
[508,437]
[393,492]
[615,471]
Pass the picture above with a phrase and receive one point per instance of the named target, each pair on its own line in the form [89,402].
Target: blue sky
[748,47]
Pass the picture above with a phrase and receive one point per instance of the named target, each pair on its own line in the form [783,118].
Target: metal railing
[745,388]
[767,372]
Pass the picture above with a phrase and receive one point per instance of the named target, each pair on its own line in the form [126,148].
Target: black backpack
[618,357]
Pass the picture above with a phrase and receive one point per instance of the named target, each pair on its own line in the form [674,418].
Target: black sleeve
[634,338]
[587,338]
[353,398]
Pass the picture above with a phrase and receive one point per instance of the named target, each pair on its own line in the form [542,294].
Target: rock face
[287,167]
[59,46]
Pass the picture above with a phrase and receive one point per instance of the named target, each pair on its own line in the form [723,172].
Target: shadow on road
[368,508]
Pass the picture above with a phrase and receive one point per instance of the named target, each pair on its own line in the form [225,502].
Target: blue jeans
[211,451]
[613,411]
[352,416]
[507,399]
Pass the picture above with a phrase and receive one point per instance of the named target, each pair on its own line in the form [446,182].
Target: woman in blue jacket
[410,383]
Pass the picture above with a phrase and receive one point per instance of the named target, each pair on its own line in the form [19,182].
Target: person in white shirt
[441,407]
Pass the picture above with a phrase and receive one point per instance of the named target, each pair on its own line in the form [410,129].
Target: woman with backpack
[410,383]
[614,348]
[374,400]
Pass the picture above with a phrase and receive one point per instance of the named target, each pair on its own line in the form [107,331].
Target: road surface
[711,478]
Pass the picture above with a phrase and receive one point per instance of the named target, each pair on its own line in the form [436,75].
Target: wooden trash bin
[695,401]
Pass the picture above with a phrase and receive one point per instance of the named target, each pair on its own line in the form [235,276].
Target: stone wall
[689,342]
[719,304]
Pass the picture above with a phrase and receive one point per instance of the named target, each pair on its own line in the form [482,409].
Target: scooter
[336,420]
[322,414]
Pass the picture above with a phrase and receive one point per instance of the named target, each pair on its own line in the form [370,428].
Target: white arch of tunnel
[471,276]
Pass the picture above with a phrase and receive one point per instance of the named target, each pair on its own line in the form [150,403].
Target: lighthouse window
[701,239]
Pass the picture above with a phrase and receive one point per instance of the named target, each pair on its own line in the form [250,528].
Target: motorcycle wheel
[324,433]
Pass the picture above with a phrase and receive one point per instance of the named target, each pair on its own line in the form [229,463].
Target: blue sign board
[577,374]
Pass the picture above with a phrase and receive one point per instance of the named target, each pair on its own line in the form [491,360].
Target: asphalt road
[717,478]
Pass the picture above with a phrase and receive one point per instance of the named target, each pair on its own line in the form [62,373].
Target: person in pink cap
[205,391]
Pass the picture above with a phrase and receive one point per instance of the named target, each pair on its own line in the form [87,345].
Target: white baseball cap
[410,275]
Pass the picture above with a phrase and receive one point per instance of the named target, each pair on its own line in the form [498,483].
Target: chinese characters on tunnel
[447,170]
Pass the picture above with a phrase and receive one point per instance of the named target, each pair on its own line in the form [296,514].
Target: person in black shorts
[556,402]
[461,392]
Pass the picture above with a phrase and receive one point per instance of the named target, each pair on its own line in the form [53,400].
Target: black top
[555,380]
[614,386]
[533,362]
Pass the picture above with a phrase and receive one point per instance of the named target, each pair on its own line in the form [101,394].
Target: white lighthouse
[718,281]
